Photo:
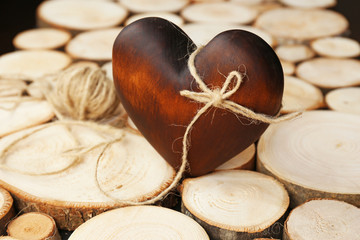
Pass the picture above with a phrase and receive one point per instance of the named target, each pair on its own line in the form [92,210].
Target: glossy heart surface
[150,58]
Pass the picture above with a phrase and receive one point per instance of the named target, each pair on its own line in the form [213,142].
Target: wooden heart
[150,69]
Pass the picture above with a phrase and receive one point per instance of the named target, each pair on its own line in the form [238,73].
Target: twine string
[217,97]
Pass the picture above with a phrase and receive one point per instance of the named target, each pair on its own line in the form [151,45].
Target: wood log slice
[17,113]
[172,17]
[33,226]
[296,25]
[243,161]
[7,238]
[314,156]
[294,52]
[300,96]
[76,170]
[308,4]
[140,222]
[330,73]
[7,211]
[249,2]
[202,33]
[32,64]
[12,87]
[93,45]
[344,100]
[323,219]
[288,67]
[219,12]
[236,204]
[140,6]
[107,67]
[338,47]
[41,38]
[78,15]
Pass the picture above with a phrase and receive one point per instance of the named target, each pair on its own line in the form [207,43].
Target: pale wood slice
[202,33]
[288,67]
[294,52]
[17,113]
[243,161]
[7,211]
[287,24]
[140,222]
[344,100]
[236,204]
[46,172]
[249,2]
[330,73]
[300,96]
[139,6]
[323,219]
[314,156]
[12,87]
[80,15]
[107,67]
[339,47]
[266,6]
[33,226]
[8,238]
[176,19]
[32,64]
[221,12]
[41,38]
[93,45]
[83,64]
[307,4]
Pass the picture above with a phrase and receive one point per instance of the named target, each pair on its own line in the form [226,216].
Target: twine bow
[219,98]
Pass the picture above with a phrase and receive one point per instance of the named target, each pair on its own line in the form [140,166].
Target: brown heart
[150,69]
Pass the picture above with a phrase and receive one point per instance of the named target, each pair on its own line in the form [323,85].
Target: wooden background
[19,15]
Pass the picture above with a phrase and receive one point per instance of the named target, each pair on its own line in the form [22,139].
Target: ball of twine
[84,93]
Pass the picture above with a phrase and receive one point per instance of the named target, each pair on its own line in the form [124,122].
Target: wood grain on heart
[150,69]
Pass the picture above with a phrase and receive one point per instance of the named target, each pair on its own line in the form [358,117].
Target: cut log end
[236,204]
[323,219]
[7,211]
[317,139]
[33,226]
[140,222]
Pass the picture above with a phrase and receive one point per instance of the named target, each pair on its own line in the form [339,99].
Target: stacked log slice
[140,222]
[219,12]
[32,64]
[202,33]
[329,73]
[17,113]
[33,226]
[344,100]
[93,45]
[296,25]
[294,52]
[308,4]
[76,170]
[7,211]
[176,19]
[243,161]
[314,156]
[323,219]
[236,204]
[80,15]
[12,87]
[338,47]
[300,96]
[140,6]
[41,38]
